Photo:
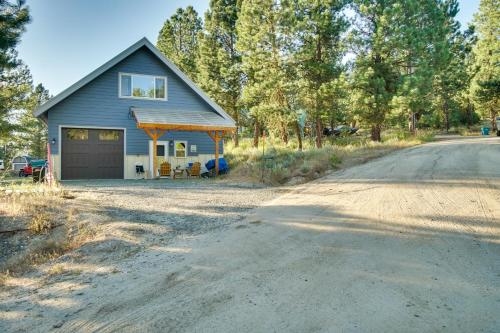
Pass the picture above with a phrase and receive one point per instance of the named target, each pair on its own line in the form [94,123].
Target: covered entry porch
[158,122]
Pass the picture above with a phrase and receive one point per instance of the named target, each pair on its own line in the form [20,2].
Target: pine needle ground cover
[278,164]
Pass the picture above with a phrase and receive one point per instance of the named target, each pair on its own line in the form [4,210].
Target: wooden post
[154,133]
[155,157]
[217,138]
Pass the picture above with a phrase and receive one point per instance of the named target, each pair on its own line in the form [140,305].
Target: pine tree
[13,18]
[486,84]
[450,75]
[422,27]
[376,75]
[262,42]
[32,132]
[15,88]
[219,63]
[178,40]
[318,31]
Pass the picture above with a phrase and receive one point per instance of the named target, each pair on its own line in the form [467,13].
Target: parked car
[2,166]
[498,126]
[20,162]
[340,130]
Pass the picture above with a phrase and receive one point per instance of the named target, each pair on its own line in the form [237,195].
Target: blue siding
[98,104]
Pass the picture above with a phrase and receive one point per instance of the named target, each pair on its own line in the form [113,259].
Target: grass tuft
[41,222]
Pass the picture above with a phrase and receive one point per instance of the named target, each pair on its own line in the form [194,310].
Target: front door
[161,155]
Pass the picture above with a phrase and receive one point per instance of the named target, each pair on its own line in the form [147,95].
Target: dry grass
[38,253]
[41,222]
[42,218]
[278,163]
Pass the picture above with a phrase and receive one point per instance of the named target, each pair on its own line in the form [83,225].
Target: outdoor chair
[195,170]
[165,169]
[139,170]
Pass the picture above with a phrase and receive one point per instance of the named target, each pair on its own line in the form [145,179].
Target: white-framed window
[142,86]
[180,148]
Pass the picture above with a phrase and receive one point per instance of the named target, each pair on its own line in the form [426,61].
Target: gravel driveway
[186,207]
[406,243]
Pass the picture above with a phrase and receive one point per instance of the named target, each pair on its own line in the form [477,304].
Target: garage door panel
[92,154]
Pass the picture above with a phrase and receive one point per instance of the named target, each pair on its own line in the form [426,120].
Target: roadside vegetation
[37,224]
[276,163]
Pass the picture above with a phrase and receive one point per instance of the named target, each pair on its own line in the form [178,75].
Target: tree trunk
[284,132]
[376,130]
[235,137]
[446,112]
[299,134]
[470,110]
[319,132]
[493,116]
[256,133]
[413,124]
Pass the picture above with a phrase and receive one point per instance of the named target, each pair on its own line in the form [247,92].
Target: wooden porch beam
[155,134]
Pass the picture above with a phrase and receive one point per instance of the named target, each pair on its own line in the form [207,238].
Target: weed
[41,222]
[57,269]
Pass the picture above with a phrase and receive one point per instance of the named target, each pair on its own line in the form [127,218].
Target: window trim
[120,74]
[185,150]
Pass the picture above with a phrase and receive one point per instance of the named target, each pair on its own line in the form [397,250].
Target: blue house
[136,109]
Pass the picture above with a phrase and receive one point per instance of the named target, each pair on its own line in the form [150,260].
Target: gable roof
[144,42]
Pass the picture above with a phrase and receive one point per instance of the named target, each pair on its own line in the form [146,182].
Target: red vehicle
[26,171]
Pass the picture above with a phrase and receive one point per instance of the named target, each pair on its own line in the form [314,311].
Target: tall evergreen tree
[219,62]
[15,88]
[423,32]
[31,134]
[263,38]
[14,15]
[319,28]
[450,74]
[14,78]
[178,40]
[376,42]
[486,85]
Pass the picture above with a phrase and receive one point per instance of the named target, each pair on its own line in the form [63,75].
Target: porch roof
[182,120]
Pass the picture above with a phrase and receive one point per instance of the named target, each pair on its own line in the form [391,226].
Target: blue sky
[68,39]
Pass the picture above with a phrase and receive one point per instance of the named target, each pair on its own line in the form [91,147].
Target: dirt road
[409,242]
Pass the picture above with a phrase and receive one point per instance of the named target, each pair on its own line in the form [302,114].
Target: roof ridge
[121,56]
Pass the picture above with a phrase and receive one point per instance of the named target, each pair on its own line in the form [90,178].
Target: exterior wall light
[53,141]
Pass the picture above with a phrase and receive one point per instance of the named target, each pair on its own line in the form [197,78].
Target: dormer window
[143,86]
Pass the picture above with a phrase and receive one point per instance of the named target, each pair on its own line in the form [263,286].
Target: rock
[296,180]
[59,324]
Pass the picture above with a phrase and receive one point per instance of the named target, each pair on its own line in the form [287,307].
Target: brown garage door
[91,153]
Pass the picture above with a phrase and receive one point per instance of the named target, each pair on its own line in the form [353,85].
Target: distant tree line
[378,63]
